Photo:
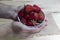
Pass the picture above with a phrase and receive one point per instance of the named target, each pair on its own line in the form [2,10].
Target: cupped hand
[22,30]
[25,31]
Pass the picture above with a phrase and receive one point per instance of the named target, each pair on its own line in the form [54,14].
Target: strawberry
[28,17]
[41,17]
[20,14]
[23,20]
[36,8]
[31,15]
[28,8]
[30,23]
[35,16]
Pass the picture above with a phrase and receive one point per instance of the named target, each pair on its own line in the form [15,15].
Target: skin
[15,27]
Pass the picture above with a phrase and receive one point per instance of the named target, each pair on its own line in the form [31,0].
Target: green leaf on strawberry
[34,22]
[39,21]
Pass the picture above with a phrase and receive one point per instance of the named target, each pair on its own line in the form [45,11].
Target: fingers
[18,26]
[13,14]
[31,30]
[46,20]
[43,26]
[19,8]
[37,30]
[22,26]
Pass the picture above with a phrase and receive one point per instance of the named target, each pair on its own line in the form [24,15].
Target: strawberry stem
[34,22]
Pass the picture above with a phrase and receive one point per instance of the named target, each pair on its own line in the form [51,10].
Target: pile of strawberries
[31,15]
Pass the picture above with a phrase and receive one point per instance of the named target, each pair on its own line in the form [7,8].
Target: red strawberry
[36,8]
[41,17]
[28,17]
[20,14]
[23,20]
[35,16]
[28,8]
[30,23]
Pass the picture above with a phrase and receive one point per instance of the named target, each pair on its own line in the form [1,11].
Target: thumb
[21,26]
[16,27]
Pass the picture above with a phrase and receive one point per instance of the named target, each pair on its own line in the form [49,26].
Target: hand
[8,11]
[18,27]
[25,31]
